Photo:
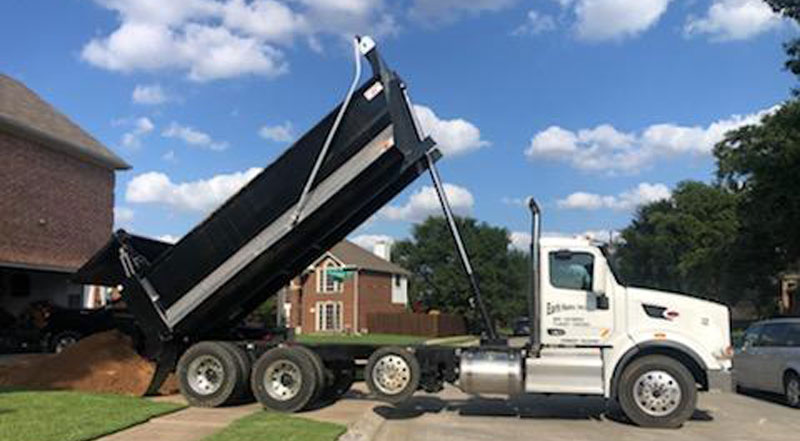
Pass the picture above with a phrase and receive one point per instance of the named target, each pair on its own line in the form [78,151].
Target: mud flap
[165,364]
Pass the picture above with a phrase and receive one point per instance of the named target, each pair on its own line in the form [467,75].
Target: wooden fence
[425,325]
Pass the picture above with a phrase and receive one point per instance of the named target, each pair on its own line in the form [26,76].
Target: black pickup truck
[44,327]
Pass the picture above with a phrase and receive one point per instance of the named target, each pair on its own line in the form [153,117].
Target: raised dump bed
[279,223]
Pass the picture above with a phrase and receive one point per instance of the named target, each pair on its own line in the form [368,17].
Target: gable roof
[23,112]
[353,255]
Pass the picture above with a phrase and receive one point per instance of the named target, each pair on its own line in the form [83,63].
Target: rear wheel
[792,389]
[657,391]
[284,379]
[208,374]
[392,374]
[319,372]
[243,392]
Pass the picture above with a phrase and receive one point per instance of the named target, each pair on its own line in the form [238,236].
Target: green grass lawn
[71,416]
[269,426]
[366,339]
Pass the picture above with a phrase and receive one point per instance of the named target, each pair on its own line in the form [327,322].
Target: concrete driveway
[454,416]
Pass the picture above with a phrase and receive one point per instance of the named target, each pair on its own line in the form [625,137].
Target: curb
[365,428]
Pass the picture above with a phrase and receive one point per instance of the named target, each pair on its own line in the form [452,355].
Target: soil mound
[103,362]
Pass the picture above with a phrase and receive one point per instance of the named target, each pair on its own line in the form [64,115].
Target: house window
[327,281]
[329,316]
[396,281]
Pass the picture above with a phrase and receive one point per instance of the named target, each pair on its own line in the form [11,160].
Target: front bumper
[719,380]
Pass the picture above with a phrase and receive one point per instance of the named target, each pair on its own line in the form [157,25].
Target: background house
[342,288]
[56,200]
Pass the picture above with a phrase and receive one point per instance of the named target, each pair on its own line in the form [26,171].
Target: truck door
[576,308]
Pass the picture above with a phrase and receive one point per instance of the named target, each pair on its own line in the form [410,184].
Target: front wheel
[657,391]
[792,390]
[63,340]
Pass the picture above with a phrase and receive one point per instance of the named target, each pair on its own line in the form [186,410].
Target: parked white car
[769,359]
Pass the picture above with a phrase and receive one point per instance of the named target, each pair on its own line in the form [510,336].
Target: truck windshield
[612,264]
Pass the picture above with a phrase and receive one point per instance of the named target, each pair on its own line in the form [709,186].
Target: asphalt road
[452,415]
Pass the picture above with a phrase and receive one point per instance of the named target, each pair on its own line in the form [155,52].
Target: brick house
[56,200]
[344,286]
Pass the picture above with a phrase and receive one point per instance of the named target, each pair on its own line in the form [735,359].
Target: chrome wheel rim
[65,342]
[283,380]
[793,392]
[657,393]
[391,374]
[205,374]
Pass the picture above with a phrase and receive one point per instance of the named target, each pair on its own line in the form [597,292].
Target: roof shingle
[353,255]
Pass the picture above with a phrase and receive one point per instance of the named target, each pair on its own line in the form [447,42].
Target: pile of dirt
[104,362]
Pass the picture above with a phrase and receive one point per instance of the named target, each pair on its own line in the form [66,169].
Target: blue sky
[592,106]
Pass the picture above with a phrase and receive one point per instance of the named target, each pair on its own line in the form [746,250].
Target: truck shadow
[527,407]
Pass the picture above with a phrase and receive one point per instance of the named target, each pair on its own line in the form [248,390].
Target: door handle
[556,332]
[601,301]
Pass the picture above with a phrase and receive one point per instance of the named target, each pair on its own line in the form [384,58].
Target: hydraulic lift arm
[491,332]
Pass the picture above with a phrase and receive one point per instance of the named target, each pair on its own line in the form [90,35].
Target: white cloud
[195,196]
[644,193]
[521,202]
[606,149]
[450,10]
[150,94]
[424,203]
[211,39]
[519,240]
[141,127]
[453,136]
[168,238]
[193,137]
[169,156]
[278,133]
[536,23]
[598,20]
[368,241]
[728,20]
[122,216]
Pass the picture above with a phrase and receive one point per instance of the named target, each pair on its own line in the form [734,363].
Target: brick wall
[55,210]
[374,296]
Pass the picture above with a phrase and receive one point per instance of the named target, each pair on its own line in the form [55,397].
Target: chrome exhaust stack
[534,311]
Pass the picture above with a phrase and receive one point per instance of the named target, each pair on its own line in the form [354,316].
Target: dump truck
[589,334]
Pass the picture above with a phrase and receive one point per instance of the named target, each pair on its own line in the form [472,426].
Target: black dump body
[249,247]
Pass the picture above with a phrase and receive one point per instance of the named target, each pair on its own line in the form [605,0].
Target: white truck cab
[590,325]
[590,335]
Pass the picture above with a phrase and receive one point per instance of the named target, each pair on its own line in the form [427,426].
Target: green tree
[438,280]
[761,164]
[682,243]
[789,9]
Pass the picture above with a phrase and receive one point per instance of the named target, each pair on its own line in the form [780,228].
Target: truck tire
[208,373]
[392,374]
[243,392]
[319,372]
[657,391]
[792,389]
[284,379]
